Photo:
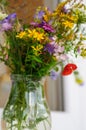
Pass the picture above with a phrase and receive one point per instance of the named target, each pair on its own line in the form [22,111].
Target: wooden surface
[25,9]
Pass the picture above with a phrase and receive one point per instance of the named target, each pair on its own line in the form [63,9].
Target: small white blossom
[2,15]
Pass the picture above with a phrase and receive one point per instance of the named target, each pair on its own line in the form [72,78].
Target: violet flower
[78,50]
[65,9]
[53,47]
[59,49]
[10,18]
[6,26]
[50,48]
[46,26]
[39,15]
[63,57]
[34,24]
[53,74]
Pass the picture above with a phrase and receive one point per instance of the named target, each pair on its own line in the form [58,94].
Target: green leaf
[36,59]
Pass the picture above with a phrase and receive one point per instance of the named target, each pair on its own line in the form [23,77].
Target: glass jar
[27,107]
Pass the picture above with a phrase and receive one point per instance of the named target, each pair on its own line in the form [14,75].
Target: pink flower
[6,26]
[59,49]
[63,57]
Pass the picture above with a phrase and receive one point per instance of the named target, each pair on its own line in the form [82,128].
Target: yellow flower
[69,17]
[59,8]
[46,18]
[39,36]
[78,80]
[36,35]
[81,35]
[31,32]
[83,53]
[70,36]
[68,24]
[21,35]
[37,49]
[73,18]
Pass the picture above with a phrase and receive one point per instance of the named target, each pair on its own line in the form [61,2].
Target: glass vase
[27,107]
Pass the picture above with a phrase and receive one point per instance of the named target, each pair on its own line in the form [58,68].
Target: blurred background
[64,96]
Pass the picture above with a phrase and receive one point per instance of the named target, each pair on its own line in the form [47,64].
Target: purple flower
[59,49]
[47,27]
[7,23]
[34,24]
[78,50]
[65,9]
[63,57]
[44,25]
[50,48]
[10,18]
[53,74]
[39,15]
[53,47]
[6,26]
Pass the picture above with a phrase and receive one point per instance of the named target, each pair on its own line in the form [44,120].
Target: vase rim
[25,77]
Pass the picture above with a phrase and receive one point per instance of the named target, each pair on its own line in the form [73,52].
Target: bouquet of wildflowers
[68,21]
[44,47]
[38,49]
[25,51]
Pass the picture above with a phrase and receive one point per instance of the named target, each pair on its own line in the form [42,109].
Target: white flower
[2,15]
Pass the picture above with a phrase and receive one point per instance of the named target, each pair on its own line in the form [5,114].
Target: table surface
[60,121]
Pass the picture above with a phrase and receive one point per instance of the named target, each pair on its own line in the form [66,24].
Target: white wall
[75,95]
[51,3]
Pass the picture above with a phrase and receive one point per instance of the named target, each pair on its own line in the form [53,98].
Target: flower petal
[71,65]
[66,71]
